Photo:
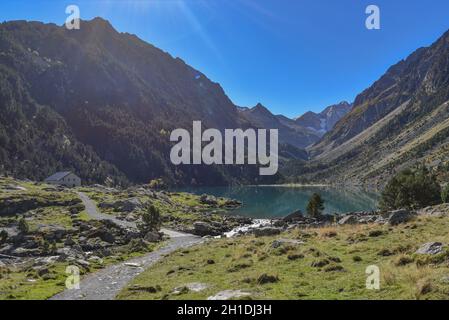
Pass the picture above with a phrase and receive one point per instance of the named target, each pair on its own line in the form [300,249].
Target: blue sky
[290,55]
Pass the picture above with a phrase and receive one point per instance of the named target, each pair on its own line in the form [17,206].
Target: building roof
[58,176]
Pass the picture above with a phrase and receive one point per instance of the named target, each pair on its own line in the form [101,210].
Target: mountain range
[103,103]
[322,122]
[294,132]
[402,120]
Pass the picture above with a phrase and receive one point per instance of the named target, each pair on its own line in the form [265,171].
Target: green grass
[20,285]
[238,264]
[59,216]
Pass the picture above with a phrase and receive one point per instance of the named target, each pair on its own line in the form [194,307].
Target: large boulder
[69,254]
[52,232]
[205,229]
[436,211]
[348,219]
[430,248]
[294,217]
[153,236]
[131,205]
[229,294]
[209,200]
[104,234]
[400,216]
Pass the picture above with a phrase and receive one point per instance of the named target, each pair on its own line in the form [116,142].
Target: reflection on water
[279,201]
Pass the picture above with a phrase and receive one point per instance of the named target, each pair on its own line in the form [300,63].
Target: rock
[82,263]
[279,223]
[95,259]
[436,211]
[6,249]
[133,265]
[76,209]
[131,205]
[11,187]
[102,233]
[30,242]
[131,234]
[204,229]
[153,236]
[69,254]
[46,260]
[266,232]
[23,252]
[368,219]
[232,203]
[52,232]
[194,286]
[349,219]
[69,241]
[280,242]
[294,217]
[229,294]
[209,200]
[10,231]
[400,216]
[430,248]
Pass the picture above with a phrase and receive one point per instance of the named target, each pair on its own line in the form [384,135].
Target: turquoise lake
[279,201]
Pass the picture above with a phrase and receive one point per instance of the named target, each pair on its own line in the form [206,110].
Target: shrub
[3,236]
[157,184]
[45,245]
[445,194]
[266,278]
[23,226]
[403,260]
[411,189]
[315,206]
[151,219]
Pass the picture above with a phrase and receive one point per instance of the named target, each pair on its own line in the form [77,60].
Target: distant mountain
[289,132]
[324,121]
[400,121]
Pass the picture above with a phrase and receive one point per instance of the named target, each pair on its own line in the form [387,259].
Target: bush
[411,189]
[445,194]
[157,184]
[151,219]
[315,206]
[3,236]
[23,226]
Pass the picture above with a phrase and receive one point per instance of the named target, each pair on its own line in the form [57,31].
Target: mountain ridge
[398,122]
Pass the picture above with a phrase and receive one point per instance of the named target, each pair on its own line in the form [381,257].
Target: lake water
[279,201]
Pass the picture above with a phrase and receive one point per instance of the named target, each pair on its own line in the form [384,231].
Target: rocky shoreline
[270,227]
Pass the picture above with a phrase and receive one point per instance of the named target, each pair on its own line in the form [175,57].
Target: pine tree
[315,206]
